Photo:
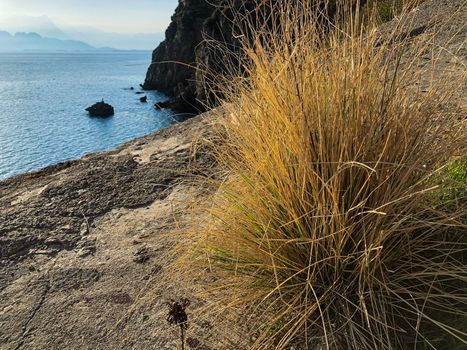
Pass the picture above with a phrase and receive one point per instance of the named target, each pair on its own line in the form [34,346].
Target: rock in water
[144,99]
[100,109]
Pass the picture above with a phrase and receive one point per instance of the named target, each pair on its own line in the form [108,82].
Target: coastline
[44,121]
[165,152]
[57,167]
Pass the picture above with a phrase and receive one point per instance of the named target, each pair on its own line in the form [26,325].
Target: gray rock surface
[80,240]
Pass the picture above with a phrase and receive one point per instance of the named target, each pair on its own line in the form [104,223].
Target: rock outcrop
[100,109]
[180,63]
[80,241]
[178,67]
[172,69]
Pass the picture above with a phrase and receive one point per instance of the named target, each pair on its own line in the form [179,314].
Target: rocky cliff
[171,70]
[179,64]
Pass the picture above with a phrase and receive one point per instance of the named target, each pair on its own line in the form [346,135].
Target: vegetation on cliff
[203,39]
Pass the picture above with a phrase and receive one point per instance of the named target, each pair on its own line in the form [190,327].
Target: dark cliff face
[177,67]
[178,64]
[172,69]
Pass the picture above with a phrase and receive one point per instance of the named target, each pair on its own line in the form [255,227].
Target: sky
[120,16]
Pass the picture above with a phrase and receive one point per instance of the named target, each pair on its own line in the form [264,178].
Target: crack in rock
[47,287]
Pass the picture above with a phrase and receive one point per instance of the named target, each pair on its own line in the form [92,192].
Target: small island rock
[144,99]
[100,109]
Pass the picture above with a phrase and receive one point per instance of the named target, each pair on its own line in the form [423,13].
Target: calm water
[42,102]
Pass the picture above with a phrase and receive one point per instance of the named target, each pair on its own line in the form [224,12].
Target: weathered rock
[89,188]
[68,264]
[100,109]
[142,255]
[143,99]
[185,33]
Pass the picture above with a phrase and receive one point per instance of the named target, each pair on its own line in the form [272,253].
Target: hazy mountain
[34,42]
[122,41]
[42,25]
[45,27]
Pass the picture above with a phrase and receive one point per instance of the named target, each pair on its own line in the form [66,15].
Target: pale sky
[124,16]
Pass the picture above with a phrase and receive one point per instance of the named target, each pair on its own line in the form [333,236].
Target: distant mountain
[121,41]
[42,25]
[45,27]
[34,42]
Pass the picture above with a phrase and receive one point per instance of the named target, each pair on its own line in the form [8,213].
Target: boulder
[100,109]
[144,99]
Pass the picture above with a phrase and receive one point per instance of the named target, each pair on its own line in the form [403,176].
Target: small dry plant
[177,316]
[328,222]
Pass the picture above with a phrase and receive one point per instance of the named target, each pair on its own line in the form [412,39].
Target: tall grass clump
[325,224]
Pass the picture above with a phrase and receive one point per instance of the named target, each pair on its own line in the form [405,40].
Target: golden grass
[325,223]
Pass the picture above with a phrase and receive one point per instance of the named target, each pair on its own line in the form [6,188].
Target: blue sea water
[43,97]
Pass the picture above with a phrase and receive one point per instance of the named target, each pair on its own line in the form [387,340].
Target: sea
[43,97]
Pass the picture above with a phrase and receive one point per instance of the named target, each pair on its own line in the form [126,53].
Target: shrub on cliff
[325,224]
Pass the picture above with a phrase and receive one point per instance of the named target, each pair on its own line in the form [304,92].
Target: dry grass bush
[325,224]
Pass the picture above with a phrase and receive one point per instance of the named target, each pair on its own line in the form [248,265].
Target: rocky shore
[81,242]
